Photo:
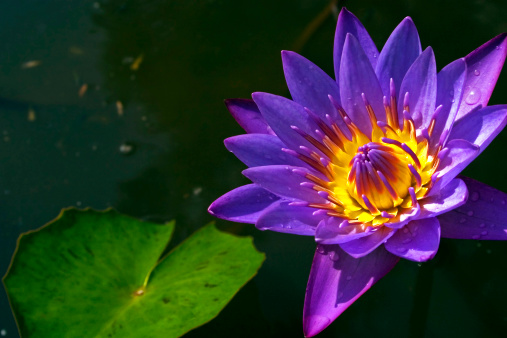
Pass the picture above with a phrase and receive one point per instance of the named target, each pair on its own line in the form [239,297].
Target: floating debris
[197,191]
[30,64]
[119,108]
[83,90]
[137,62]
[31,115]
[127,148]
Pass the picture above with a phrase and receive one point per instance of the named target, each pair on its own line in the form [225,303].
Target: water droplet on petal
[289,226]
[321,249]
[476,237]
[470,213]
[401,250]
[406,241]
[451,92]
[477,72]
[475,196]
[349,277]
[497,47]
[375,54]
[462,220]
[482,225]
[484,233]
[333,255]
[473,96]
[503,202]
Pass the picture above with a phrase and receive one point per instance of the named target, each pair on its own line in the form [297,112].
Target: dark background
[164,158]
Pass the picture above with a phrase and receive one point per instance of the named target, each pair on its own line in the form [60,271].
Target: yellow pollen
[370,175]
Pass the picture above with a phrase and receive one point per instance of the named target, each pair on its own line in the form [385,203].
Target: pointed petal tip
[345,12]
[313,325]
[408,19]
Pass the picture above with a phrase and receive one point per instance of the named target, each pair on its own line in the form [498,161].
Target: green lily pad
[99,274]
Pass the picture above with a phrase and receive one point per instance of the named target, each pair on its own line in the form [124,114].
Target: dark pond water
[120,103]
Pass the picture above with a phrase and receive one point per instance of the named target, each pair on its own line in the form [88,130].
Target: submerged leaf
[99,274]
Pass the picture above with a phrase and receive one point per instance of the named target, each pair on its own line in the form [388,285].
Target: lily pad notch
[100,273]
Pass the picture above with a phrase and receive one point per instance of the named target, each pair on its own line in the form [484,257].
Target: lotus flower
[368,163]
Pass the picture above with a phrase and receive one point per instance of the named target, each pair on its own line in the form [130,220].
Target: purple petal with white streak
[310,86]
[248,116]
[458,155]
[244,204]
[483,68]
[260,150]
[450,82]
[483,216]
[405,217]
[337,280]
[398,54]
[449,197]
[283,182]
[482,126]
[281,114]
[417,241]
[356,77]
[348,23]
[291,219]
[421,84]
[362,246]
[334,230]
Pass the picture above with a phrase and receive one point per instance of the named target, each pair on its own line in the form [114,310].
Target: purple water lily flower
[368,163]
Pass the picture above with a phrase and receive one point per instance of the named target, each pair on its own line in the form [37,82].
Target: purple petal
[398,54]
[283,182]
[483,68]
[421,84]
[460,154]
[482,126]
[362,246]
[248,116]
[260,150]
[337,280]
[417,241]
[449,197]
[309,85]
[244,204]
[348,23]
[483,216]
[334,230]
[404,217]
[281,114]
[291,219]
[356,77]
[450,83]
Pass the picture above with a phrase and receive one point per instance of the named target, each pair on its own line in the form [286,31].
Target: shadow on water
[146,138]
